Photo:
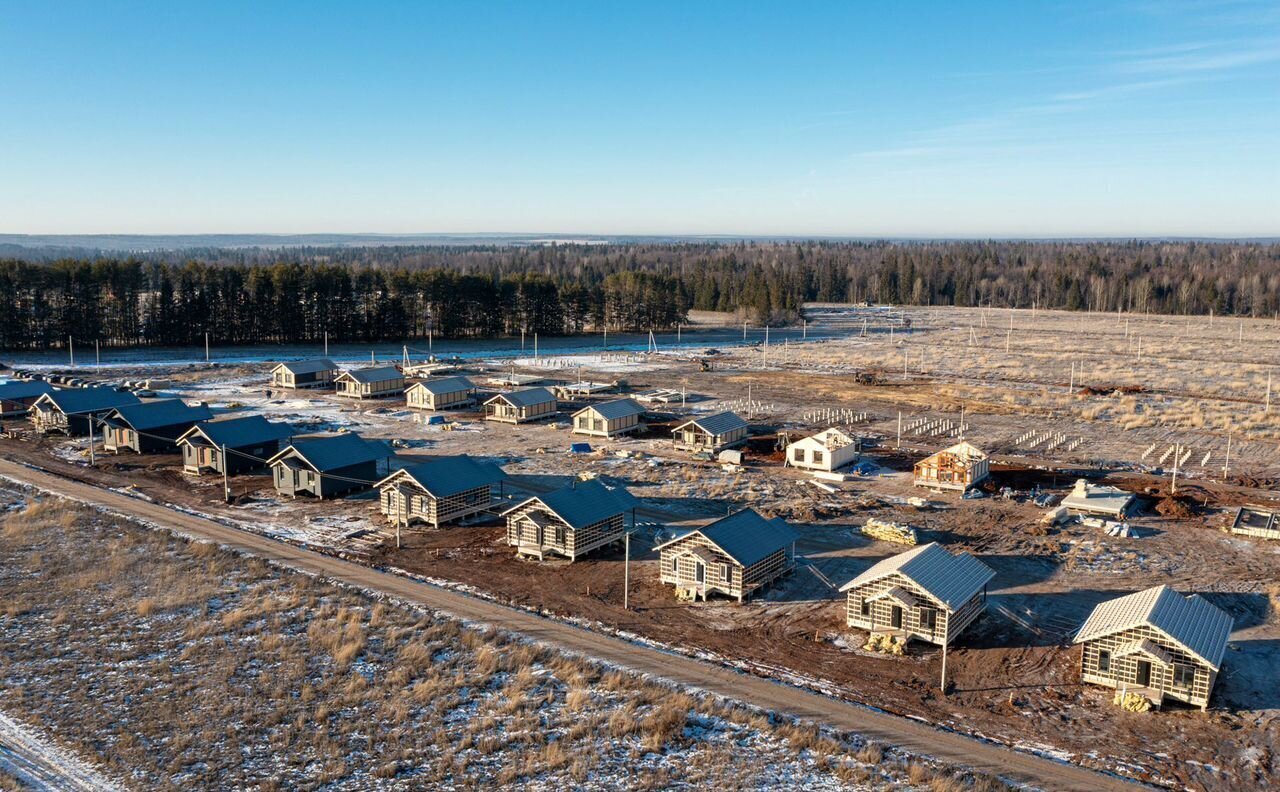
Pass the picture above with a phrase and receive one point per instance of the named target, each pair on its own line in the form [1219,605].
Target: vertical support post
[679,327]
[1177,452]
[1072,386]
[804,329]
[535,347]
[626,571]
[899,429]
[92,440]
[1267,407]
[1226,465]
[206,346]
[71,350]
[944,660]
[226,483]
[97,354]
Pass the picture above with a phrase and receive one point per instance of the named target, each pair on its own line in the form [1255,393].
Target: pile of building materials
[1112,527]
[890,531]
[1086,498]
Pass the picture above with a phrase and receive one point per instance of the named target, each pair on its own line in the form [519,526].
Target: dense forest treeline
[364,294]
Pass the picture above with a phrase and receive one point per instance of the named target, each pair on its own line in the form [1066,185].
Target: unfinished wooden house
[16,398]
[446,393]
[956,468]
[441,490]
[378,382]
[608,419]
[328,467]
[72,411]
[710,433]
[925,593]
[736,556]
[1086,498]
[827,450]
[301,374]
[152,426]
[1256,521]
[231,445]
[569,522]
[515,407]
[1157,644]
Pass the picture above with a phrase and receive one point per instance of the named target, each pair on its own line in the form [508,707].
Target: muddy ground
[1014,672]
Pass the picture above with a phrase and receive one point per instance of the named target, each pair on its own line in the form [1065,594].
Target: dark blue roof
[24,390]
[446,385]
[745,536]
[244,431]
[310,366]
[586,502]
[82,401]
[527,397]
[718,423]
[377,374]
[336,451]
[449,475]
[611,410]
[160,413]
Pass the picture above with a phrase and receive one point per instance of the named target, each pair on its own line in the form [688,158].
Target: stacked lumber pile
[890,531]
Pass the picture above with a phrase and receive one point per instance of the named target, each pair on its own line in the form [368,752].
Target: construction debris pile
[887,644]
[890,531]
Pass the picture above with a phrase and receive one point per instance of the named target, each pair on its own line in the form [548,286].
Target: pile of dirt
[1175,507]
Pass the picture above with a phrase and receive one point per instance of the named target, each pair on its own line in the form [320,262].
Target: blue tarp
[435,419]
[580,448]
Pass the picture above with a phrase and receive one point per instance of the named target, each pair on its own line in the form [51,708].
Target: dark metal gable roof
[585,503]
[158,414]
[612,410]
[527,397]
[240,432]
[745,536]
[310,366]
[81,401]
[449,475]
[335,451]
[718,423]
[365,376]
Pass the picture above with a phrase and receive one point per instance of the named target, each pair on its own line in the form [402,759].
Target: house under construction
[827,450]
[956,468]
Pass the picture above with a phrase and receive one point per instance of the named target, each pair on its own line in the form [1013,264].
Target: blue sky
[806,118]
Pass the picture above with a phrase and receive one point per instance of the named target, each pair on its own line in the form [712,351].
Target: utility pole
[71,349]
[804,329]
[1071,387]
[679,327]
[535,347]
[744,331]
[92,440]
[1226,465]
[1267,409]
[206,346]
[97,356]
[1177,452]
[326,343]
[899,429]
[626,570]
[944,665]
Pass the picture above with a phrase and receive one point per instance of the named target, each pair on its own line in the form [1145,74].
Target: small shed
[608,419]
[956,468]
[298,374]
[16,398]
[827,450]
[76,411]
[1086,498]
[439,490]
[1156,643]
[711,433]
[329,466]
[231,445]
[515,407]
[925,593]
[151,426]
[446,393]
[377,382]
[571,521]
[1256,521]
[736,556]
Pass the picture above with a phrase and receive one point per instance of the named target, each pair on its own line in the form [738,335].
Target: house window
[1184,675]
[866,607]
[798,455]
[1104,660]
[675,565]
[928,618]
[817,457]
[726,573]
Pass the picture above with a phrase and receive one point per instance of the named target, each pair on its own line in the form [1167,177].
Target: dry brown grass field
[177,665]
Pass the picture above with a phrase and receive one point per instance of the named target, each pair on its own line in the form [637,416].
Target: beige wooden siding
[1123,671]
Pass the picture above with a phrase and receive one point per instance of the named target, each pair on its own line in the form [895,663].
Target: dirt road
[911,736]
[39,766]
